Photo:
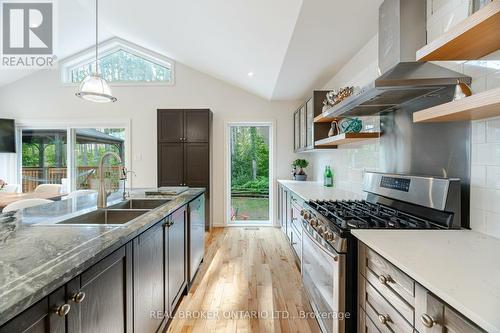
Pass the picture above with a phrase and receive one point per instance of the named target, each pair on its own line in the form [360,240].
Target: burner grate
[348,214]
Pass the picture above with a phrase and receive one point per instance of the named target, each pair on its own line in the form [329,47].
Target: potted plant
[299,165]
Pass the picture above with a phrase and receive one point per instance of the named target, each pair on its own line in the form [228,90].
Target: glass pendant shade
[95,89]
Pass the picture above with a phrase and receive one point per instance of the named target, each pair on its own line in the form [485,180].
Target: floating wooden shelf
[346,138]
[478,106]
[321,119]
[473,38]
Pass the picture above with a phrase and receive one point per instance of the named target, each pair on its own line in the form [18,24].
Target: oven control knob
[306,215]
[313,222]
[321,231]
[302,212]
[329,236]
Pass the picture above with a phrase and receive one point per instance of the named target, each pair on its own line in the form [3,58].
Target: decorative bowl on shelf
[351,125]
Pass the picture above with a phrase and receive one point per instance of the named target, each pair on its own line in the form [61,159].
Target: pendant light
[94,88]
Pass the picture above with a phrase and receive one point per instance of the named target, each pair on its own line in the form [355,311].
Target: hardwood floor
[248,282]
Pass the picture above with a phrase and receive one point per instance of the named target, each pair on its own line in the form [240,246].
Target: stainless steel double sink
[117,214]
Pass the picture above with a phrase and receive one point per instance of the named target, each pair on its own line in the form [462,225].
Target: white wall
[43,96]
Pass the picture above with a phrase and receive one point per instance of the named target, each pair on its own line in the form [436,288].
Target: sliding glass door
[70,156]
[44,157]
[249,173]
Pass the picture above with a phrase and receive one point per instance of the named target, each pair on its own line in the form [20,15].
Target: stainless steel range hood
[402,31]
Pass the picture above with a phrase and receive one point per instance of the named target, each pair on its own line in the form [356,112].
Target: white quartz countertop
[310,190]
[461,267]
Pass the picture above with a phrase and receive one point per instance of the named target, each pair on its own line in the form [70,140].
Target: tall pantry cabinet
[184,149]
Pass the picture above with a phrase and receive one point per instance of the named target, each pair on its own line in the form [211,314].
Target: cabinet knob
[78,297]
[62,310]
[384,318]
[427,320]
[383,279]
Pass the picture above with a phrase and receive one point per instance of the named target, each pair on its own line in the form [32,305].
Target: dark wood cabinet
[185,162]
[197,125]
[171,126]
[107,288]
[149,281]
[196,171]
[175,258]
[170,164]
[41,317]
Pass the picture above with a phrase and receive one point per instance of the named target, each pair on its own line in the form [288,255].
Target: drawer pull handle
[384,279]
[78,297]
[384,318]
[427,320]
[62,310]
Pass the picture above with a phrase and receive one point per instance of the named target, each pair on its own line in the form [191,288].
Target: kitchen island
[38,256]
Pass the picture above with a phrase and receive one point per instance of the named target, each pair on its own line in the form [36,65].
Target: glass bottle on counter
[328,177]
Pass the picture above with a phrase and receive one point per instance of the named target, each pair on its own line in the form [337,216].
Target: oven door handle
[334,255]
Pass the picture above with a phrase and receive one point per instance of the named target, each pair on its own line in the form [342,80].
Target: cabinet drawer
[434,316]
[365,324]
[384,316]
[405,309]
[389,280]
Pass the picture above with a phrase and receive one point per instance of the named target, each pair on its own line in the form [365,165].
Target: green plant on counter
[301,164]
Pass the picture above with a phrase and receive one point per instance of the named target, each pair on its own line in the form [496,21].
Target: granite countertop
[37,255]
[461,267]
[311,190]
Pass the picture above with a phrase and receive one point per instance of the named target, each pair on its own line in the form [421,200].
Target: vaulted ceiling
[290,46]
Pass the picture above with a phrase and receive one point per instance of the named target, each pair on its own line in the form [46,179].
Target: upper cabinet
[306,132]
[196,125]
[171,126]
[175,125]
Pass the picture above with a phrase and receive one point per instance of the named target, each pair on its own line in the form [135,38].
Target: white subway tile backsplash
[485,169]
[478,220]
[478,85]
[478,132]
[493,130]
[484,154]
[491,200]
[493,177]
[493,224]
[476,197]
[493,80]
[475,68]
[459,14]
[478,175]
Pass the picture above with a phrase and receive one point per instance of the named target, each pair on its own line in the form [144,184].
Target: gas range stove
[329,252]
[393,202]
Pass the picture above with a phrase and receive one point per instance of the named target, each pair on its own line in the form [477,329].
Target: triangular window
[120,61]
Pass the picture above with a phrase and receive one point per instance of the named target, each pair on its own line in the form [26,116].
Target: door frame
[271,124]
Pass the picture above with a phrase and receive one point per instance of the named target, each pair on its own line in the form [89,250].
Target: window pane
[43,158]
[90,145]
[122,66]
[249,173]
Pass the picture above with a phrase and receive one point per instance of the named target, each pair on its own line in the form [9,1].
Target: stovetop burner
[356,214]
